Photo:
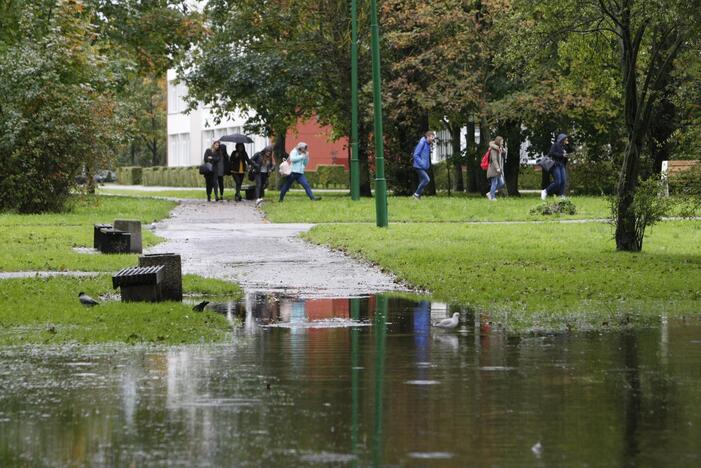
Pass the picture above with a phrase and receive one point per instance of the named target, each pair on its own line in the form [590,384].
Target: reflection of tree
[631,399]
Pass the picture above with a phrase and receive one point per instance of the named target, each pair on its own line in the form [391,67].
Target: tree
[648,36]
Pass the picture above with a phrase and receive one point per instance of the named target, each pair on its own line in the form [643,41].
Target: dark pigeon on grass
[86,300]
[200,307]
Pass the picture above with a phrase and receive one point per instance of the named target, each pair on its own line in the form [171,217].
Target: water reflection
[383,389]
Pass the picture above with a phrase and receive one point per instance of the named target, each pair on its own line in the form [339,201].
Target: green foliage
[557,208]
[129,175]
[57,112]
[331,176]
[649,207]
[686,183]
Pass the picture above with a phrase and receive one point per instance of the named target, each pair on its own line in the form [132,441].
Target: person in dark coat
[213,155]
[221,168]
[239,162]
[263,164]
[559,172]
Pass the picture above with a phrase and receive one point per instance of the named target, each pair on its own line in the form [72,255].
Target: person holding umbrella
[262,164]
[239,161]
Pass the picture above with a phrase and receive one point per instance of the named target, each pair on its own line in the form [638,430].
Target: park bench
[139,284]
[110,240]
[669,168]
[250,191]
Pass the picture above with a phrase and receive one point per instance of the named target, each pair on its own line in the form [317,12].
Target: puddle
[362,381]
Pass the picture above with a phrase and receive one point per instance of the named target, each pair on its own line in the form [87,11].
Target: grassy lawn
[47,311]
[544,276]
[46,241]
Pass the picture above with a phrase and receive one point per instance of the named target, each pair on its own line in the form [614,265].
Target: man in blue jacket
[422,161]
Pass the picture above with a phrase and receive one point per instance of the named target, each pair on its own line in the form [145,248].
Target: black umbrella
[236,138]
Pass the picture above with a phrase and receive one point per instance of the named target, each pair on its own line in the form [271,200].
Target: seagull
[449,323]
[200,307]
[86,300]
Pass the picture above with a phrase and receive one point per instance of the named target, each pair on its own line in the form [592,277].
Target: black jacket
[236,159]
[557,150]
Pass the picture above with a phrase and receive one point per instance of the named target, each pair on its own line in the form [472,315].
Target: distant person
[239,162]
[262,163]
[495,171]
[559,172]
[213,156]
[221,168]
[422,161]
[299,158]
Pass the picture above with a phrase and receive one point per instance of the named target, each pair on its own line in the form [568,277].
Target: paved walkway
[233,241]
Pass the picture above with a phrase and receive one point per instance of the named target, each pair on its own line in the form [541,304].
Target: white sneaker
[489,197]
[543,194]
[417,197]
[259,201]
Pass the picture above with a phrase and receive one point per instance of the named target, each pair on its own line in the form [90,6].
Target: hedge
[129,175]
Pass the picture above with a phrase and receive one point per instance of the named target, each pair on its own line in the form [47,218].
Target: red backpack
[485,160]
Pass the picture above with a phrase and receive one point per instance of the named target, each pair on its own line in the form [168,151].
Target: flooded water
[359,382]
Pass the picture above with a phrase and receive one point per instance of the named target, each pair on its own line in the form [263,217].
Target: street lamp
[380,181]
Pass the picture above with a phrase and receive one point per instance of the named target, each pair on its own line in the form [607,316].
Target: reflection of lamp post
[380,332]
[355,375]
[380,181]
[355,164]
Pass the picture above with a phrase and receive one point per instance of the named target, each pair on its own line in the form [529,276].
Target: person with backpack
[558,170]
[495,169]
[422,161]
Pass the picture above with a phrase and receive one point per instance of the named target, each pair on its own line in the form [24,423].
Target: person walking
[262,163]
[422,161]
[299,157]
[220,169]
[213,157]
[239,162]
[559,172]
[495,171]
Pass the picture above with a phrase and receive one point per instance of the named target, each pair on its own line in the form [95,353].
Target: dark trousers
[220,183]
[212,183]
[291,179]
[261,183]
[238,181]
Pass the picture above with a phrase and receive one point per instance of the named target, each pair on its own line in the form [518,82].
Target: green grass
[47,311]
[46,241]
[198,194]
[547,276]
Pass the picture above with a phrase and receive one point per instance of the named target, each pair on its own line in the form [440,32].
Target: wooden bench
[140,284]
[670,168]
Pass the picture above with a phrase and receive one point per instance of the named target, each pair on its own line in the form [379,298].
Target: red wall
[321,149]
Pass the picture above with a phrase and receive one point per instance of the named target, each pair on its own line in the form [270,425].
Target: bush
[686,183]
[130,175]
[332,176]
[593,178]
[559,207]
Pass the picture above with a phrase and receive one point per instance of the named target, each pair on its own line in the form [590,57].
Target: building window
[179,149]
[177,92]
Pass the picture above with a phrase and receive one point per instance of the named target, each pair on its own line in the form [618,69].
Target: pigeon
[200,307]
[449,323]
[86,300]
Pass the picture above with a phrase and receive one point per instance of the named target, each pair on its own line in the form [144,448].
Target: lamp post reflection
[380,333]
[355,377]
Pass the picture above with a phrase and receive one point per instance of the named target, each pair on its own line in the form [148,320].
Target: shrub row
[326,176]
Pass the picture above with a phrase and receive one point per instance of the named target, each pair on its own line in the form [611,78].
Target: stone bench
[112,240]
[140,284]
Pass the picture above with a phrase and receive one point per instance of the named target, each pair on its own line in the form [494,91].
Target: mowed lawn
[47,241]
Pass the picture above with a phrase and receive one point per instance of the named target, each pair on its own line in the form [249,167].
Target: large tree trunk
[513,160]
[473,169]
[627,238]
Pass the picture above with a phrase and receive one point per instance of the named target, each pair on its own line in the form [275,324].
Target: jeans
[261,183]
[497,183]
[557,186]
[424,179]
[238,180]
[292,178]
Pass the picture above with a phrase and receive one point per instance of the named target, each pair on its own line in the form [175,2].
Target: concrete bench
[114,241]
[139,284]
[97,234]
[172,285]
[669,168]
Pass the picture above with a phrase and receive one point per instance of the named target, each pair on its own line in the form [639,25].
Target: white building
[189,135]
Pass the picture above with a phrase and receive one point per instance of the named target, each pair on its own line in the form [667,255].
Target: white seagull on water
[449,322]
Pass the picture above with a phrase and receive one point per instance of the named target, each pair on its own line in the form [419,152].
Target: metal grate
[138,276]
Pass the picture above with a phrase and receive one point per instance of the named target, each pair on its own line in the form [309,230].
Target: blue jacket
[422,155]
[299,161]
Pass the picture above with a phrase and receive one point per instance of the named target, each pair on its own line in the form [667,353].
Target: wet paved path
[232,241]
